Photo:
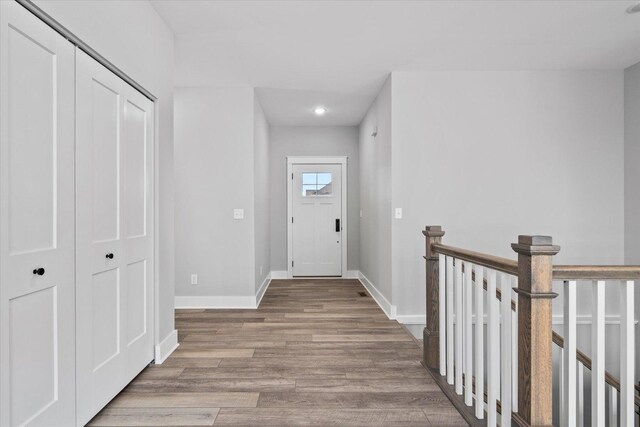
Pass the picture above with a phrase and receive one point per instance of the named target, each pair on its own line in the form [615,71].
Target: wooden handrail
[504,265]
[596,272]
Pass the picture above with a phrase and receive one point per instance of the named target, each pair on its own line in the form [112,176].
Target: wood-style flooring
[315,353]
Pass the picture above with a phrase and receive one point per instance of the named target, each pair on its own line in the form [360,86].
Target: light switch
[194,279]
[398,213]
[360,213]
[238,214]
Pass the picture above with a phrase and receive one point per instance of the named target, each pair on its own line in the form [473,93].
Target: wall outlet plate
[194,279]
[398,213]
[238,214]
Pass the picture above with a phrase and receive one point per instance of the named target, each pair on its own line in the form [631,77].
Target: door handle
[337,225]
[38,271]
[109,255]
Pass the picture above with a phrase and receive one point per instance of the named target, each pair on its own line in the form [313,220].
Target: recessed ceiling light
[319,111]
[634,9]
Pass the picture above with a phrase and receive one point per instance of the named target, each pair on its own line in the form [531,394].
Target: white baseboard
[411,319]
[225,302]
[166,347]
[388,308]
[279,274]
[263,288]
[215,302]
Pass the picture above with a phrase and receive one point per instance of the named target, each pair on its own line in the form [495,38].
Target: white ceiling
[338,53]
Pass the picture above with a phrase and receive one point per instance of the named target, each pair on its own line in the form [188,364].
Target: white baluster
[450,320]
[613,406]
[458,333]
[442,286]
[514,353]
[468,337]
[493,347]
[561,396]
[569,361]
[505,346]
[627,359]
[597,355]
[479,273]
[580,398]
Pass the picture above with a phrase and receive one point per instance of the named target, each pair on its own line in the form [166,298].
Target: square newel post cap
[433,231]
[535,245]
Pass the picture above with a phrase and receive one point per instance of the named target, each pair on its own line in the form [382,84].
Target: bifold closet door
[114,199]
[37,305]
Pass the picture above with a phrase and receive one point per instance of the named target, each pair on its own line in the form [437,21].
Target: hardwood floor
[314,353]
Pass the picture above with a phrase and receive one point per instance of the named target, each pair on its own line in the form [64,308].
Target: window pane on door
[316,184]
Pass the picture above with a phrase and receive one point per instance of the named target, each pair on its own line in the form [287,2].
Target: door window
[316,184]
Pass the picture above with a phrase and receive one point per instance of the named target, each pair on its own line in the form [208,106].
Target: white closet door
[114,234]
[138,128]
[37,310]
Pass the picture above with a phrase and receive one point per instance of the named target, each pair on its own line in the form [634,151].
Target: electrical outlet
[360,213]
[238,214]
[194,279]
[398,213]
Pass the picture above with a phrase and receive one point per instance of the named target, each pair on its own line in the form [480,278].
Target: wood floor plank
[356,400]
[128,399]
[215,353]
[315,352]
[264,372]
[359,386]
[362,337]
[190,362]
[322,417]
[213,385]
[155,417]
[159,372]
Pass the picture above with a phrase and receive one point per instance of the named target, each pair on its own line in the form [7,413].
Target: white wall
[132,36]
[214,169]
[262,216]
[490,155]
[375,193]
[312,141]
[632,164]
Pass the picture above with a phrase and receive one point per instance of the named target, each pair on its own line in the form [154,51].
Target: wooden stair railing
[533,270]
[559,341]
[535,273]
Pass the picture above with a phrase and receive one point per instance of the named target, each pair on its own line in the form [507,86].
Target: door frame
[319,160]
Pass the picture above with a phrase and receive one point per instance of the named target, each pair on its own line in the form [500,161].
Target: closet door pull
[109,255]
[38,271]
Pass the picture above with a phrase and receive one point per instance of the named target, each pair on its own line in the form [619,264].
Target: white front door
[37,306]
[114,155]
[316,220]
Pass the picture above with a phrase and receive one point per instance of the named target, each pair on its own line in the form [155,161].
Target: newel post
[431,333]
[535,369]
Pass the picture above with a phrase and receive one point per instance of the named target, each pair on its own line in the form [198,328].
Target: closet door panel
[37,309]
[101,284]
[138,143]
[114,245]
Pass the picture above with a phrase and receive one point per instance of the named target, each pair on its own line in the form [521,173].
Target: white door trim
[297,160]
